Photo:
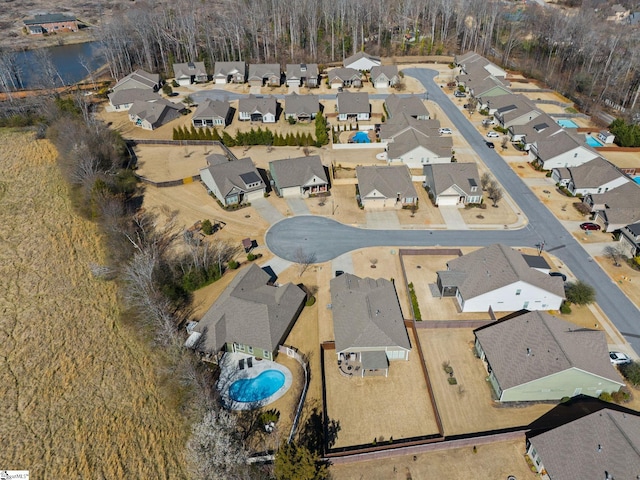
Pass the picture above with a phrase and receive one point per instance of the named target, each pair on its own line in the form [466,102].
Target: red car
[590,226]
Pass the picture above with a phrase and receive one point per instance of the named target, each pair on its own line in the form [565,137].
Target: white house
[212,113]
[606,137]
[258,109]
[595,176]
[415,149]
[232,182]
[385,187]
[560,150]
[384,76]
[453,183]
[229,72]
[361,61]
[139,79]
[353,106]
[122,100]
[499,278]
[190,72]
[299,177]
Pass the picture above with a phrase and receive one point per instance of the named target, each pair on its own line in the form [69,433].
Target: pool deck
[230,371]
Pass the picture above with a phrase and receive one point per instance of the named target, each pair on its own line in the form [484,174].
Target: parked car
[590,226]
[493,135]
[445,131]
[619,358]
[489,121]
[490,144]
[339,272]
[558,274]
[340,89]
[459,94]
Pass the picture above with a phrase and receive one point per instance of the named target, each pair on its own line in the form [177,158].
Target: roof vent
[599,447]
[528,351]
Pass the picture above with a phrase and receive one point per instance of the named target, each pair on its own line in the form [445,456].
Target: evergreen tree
[228,140]
[215,136]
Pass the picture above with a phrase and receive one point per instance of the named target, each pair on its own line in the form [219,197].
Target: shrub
[174,83]
[251,257]
[414,302]
[452,381]
[631,372]
[580,293]
[605,397]
[621,396]
[310,301]
[166,89]
[565,308]
[233,264]
[207,227]
[565,399]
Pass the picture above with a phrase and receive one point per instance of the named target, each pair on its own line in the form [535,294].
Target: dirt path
[79,396]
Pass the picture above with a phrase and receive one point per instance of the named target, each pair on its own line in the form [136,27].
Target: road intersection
[328,239]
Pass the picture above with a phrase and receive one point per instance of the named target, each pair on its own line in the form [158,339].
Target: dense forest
[575,50]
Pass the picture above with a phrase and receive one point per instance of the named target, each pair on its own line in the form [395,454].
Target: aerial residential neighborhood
[358,253]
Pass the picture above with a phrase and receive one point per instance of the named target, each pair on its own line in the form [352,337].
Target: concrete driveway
[330,239]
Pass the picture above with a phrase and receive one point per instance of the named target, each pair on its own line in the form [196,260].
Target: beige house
[385,187]
[299,177]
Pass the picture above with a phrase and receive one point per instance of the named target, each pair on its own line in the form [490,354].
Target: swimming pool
[637,180]
[566,123]
[593,142]
[361,137]
[256,389]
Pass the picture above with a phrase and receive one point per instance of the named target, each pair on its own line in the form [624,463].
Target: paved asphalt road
[328,239]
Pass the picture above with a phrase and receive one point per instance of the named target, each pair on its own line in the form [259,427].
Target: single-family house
[384,76]
[368,325]
[139,79]
[385,187]
[595,176]
[412,105]
[519,110]
[560,150]
[402,122]
[353,106]
[344,77]
[299,177]
[630,239]
[537,130]
[497,277]
[534,356]
[472,62]
[212,113]
[229,72]
[232,182]
[252,316]
[302,108]
[121,100]
[302,74]
[415,149]
[482,85]
[606,137]
[587,441]
[151,115]
[51,22]
[453,183]
[190,72]
[258,109]
[261,74]
[616,208]
[361,61]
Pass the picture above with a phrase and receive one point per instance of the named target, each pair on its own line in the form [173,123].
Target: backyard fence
[292,352]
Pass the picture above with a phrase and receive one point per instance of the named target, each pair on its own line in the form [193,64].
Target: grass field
[79,393]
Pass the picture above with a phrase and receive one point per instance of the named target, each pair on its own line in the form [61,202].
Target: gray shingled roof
[156,113]
[250,312]
[496,266]
[357,102]
[603,441]
[294,70]
[366,314]
[462,175]
[558,144]
[189,69]
[411,139]
[389,71]
[212,109]
[534,345]
[343,74]
[594,173]
[537,129]
[258,104]
[149,80]
[293,172]
[622,204]
[49,18]
[231,176]
[389,181]
[403,122]
[295,104]
[229,68]
[358,56]
[518,106]
[411,105]
[263,70]
[130,95]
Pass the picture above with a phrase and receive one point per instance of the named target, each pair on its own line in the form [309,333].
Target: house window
[250,350]
[518,292]
[474,189]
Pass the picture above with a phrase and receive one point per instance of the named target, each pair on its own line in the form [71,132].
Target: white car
[493,135]
[619,358]
[445,131]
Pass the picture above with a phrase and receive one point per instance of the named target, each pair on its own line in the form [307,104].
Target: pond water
[66,60]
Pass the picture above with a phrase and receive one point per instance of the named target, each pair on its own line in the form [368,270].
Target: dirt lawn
[468,406]
[81,396]
[367,408]
[161,163]
[492,461]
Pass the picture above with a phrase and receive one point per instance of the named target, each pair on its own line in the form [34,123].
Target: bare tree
[614,253]
[485,180]
[495,192]
[304,260]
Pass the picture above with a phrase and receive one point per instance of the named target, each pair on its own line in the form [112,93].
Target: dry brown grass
[80,396]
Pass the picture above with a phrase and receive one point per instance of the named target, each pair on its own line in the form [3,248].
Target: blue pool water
[257,388]
[593,142]
[566,123]
[637,180]
[361,137]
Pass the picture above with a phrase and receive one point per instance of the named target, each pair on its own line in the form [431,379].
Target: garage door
[448,200]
